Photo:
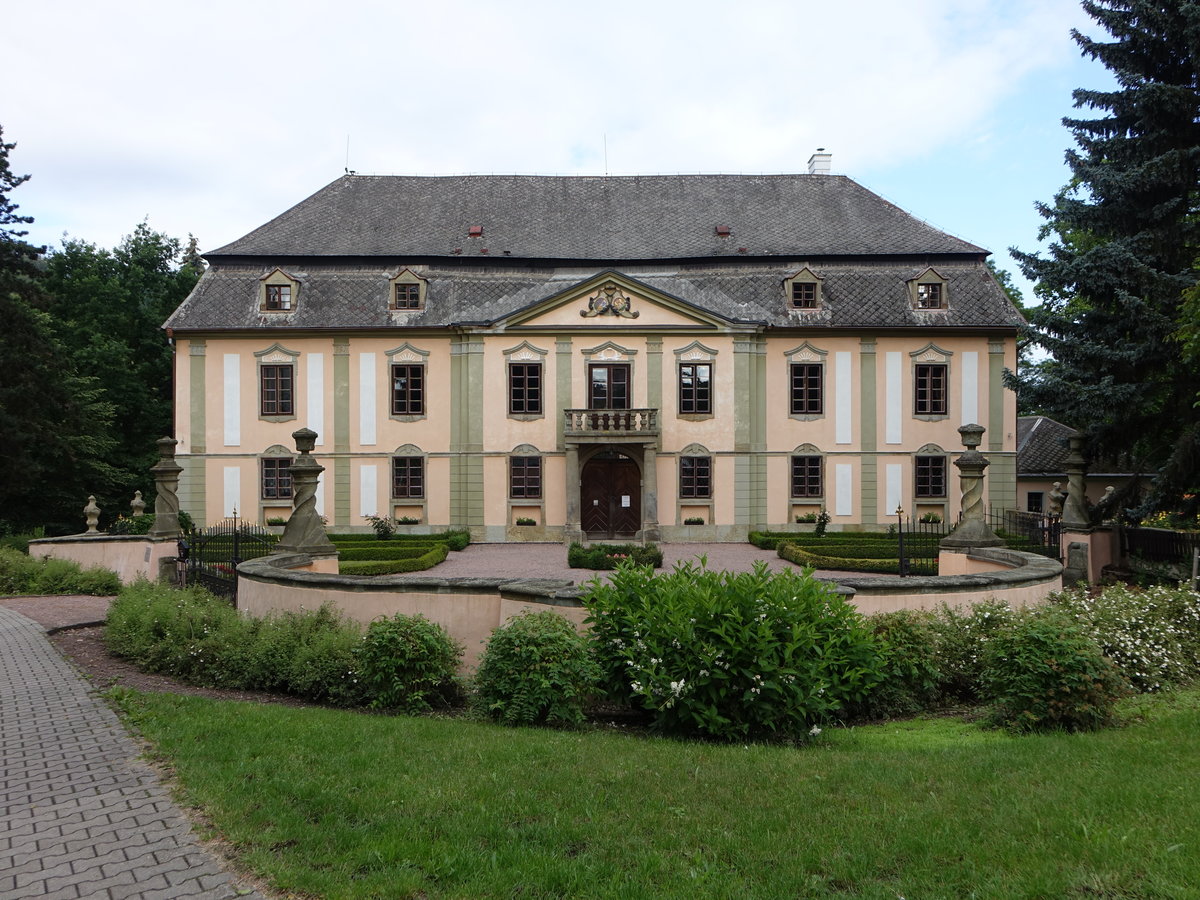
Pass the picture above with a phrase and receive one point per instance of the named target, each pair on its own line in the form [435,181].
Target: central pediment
[613,299]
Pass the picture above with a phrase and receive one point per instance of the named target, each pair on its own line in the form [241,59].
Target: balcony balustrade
[594,423]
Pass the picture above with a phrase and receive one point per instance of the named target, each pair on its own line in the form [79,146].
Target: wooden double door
[610,496]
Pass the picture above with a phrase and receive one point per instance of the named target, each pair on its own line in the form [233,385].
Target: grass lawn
[340,804]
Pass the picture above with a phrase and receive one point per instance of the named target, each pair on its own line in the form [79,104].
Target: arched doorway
[610,494]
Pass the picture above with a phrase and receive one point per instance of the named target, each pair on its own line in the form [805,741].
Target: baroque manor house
[604,356]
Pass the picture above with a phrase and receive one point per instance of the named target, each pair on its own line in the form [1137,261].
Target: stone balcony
[590,424]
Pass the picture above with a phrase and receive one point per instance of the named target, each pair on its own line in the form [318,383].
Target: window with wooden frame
[276,390]
[406,296]
[525,477]
[276,478]
[807,389]
[929,291]
[929,389]
[929,295]
[408,477]
[807,478]
[278,297]
[930,477]
[695,388]
[408,389]
[803,290]
[524,388]
[695,477]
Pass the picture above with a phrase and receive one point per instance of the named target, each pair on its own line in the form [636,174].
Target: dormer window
[928,291]
[279,296]
[929,296]
[803,290]
[277,292]
[408,292]
[804,295]
[408,296]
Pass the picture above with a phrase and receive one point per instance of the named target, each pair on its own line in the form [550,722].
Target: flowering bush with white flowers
[1152,635]
[731,655]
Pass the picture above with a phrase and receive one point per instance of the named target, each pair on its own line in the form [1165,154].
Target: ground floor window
[276,479]
[408,477]
[525,477]
[806,476]
[1033,502]
[695,477]
[931,476]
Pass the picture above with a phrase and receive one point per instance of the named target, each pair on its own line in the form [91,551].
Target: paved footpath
[81,816]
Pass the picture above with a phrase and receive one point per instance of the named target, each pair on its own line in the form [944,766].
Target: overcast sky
[212,118]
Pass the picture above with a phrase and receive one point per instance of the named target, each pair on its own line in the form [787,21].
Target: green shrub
[409,663]
[610,556]
[375,551]
[1045,671]
[22,574]
[427,560]
[801,557]
[1145,632]
[132,524]
[963,633]
[20,542]
[199,638]
[908,644]
[730,655]
[536,669]
[384,526]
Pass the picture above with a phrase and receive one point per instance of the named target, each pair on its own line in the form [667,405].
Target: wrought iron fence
[215,552]
[918,546]
[1028,531]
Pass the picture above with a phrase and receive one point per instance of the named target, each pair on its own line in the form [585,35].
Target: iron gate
[214,554]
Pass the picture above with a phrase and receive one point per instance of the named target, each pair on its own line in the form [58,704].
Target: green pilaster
[654,373]
[192,481]
[995,426]
[341,432]
[750,430]
[466,431]
[868,425]
[197,394]
[1002,481]
[562,384]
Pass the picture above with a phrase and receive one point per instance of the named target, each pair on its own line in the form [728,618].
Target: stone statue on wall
[166,484]
[92,511]
[972,530]
[1057,497]
[304,532]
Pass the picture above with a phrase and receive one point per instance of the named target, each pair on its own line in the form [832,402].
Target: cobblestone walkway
[80,815]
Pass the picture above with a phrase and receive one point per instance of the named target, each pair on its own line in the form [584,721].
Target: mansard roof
[600,218]
[858,294]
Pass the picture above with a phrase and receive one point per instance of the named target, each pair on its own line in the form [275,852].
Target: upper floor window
[279,296]
[803,290]
[931,476]
[524,388]
[276,478]
[1033,501]
[408,477]
[929,290]
[276,391]
[695,477]
[408,390]
[408,291]
[929,383]
[806,476]
[807,389]
[525,477]
[609,387]
[929,296]
[407,296]
[695,388]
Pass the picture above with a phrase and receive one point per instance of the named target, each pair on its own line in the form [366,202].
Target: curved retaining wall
[470,608]
[129,555]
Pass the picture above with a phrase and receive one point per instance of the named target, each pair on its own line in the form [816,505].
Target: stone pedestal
[304,532]
[166,487]
[972,530]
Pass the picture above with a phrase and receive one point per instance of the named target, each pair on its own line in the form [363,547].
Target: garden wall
[469,608]
[129,555]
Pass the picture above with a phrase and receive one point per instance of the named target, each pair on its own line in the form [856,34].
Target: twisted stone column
[166,491]
[1075,512]
[972,530]
[304,532]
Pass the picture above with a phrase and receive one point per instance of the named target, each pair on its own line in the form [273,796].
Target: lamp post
[900,525]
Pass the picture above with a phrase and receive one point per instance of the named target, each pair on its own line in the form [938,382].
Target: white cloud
[214,118]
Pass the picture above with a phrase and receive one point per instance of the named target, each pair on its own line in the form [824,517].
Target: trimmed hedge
[456,539]
[375,553]
[426,560]
[802,557]
[609,556]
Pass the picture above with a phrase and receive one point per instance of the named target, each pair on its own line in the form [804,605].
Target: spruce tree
[1125,235]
